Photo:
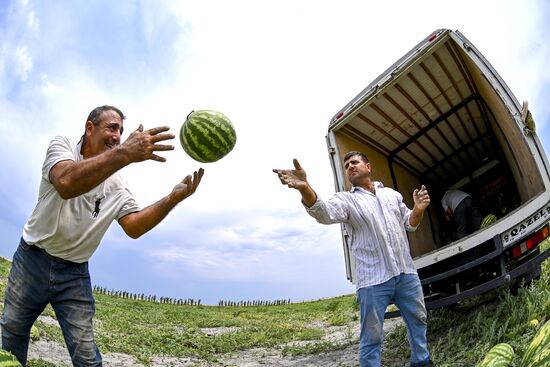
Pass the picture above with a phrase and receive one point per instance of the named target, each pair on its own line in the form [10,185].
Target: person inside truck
[460,207]
[378,219]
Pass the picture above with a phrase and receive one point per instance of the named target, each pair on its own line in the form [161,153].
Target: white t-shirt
[72,229]
[452,198]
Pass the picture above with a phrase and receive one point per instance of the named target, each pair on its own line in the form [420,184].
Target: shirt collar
[377,185]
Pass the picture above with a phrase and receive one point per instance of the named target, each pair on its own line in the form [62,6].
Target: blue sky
[279,69]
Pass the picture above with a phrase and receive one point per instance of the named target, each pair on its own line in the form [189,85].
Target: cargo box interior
[437,120]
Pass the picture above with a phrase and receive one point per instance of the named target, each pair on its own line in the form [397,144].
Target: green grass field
[459,336]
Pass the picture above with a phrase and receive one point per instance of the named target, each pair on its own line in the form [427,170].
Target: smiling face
[358,171]
[104,135]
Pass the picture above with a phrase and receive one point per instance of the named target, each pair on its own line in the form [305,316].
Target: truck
[441,116]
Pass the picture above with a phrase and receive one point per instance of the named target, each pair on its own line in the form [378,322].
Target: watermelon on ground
[207,136]
[538,351]
[8,360]
[500,355]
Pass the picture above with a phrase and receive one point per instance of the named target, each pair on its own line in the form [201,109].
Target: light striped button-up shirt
[377,225]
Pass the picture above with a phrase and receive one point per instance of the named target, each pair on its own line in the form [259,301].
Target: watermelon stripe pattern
[500,355]
[489,219]
[8,360]
[207,136]
[538,351]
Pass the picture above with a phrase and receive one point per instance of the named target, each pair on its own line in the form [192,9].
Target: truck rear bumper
[499,281]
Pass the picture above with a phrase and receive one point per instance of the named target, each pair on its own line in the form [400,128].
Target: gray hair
[95,117]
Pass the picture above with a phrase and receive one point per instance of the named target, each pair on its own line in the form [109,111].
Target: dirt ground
[348,335]
[347,357]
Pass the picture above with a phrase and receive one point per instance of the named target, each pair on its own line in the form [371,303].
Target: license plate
[526,226]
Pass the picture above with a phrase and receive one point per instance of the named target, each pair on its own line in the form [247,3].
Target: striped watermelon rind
[207,136]
[489,219]
[542,359]
[500,355]
[8,360]
[538,351]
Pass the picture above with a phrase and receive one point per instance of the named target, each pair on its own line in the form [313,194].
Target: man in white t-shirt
[459,206]
[81,193]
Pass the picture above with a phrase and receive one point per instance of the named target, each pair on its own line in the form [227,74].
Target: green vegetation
[40,363]
[143,329]
[5,266]
[461,335]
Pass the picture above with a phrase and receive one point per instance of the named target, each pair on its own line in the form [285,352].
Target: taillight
[432,37]
[340,114]
[537,238]
[531,242]
[518,250]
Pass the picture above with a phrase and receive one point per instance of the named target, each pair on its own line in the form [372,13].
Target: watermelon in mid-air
[207,136]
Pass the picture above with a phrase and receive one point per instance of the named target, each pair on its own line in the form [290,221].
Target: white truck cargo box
[441,116]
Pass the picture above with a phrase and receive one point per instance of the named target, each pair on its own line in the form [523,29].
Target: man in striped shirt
[377,219]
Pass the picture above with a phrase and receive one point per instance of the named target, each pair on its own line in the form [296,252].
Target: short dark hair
[95,115]
[363,156]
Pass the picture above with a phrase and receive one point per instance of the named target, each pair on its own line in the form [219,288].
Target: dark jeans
[467,218]
[36,280]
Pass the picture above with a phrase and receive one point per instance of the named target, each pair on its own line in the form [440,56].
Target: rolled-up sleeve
[406,213]
[333,210]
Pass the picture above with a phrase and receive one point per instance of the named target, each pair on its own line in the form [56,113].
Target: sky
[278,69]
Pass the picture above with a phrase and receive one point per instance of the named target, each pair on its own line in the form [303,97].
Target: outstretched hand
[137,223]
[141,145]
[421,198]
[294,178]
[187,186]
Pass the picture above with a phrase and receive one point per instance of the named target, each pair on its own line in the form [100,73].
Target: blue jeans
[36,280]
[406,292]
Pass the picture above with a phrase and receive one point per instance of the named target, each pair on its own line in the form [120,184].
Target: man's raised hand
[187,186]
[294,178]
[141,145]
[421,198]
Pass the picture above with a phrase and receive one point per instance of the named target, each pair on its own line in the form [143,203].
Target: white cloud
[279,70]
[48,88]
[242,245]
[33,22]
[22,62]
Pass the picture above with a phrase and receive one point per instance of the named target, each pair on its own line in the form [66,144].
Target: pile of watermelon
[536,355]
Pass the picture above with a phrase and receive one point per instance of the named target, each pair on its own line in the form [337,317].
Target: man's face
[357,170]
[106,134]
